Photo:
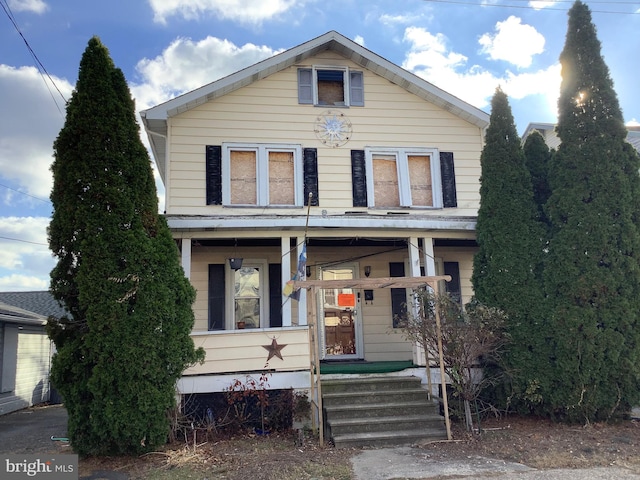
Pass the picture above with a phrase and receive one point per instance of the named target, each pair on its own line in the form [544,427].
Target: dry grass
[542,444]
[534,442]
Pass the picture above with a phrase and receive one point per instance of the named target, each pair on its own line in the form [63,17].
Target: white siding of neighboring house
[32,363]
[267,111]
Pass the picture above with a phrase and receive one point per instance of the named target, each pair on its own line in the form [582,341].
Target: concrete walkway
[414,463]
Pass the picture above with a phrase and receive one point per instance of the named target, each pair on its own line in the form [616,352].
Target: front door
[340,323]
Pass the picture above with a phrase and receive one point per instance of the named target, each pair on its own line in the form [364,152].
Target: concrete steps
[379,411]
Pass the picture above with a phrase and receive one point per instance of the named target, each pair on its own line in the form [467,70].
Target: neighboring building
[548,132]
[40,302]
[326,145]
[27,349]
[25,359]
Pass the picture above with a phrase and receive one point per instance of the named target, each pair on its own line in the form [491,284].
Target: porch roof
[362,221]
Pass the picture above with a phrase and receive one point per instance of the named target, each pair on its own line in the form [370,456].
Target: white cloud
[514,42]
[23,283]
[430,57]
[243,11]
[35,6]
[25,259]
[29,124]
[540,4]
[186,65]
[359,39]
[400,19]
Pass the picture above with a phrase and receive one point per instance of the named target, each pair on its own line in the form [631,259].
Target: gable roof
[155,118]
[39,302]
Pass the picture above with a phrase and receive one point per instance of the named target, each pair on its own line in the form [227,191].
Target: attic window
[330,86]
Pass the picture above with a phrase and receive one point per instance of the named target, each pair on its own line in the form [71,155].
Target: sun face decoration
[333,128]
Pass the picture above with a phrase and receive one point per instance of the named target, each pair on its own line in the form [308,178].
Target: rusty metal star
[274,349]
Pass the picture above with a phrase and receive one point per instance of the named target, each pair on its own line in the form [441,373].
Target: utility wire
[23,241]
[529,7]
[41,69]
[24,193]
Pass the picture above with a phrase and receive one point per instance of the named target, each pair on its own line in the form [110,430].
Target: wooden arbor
[365,283]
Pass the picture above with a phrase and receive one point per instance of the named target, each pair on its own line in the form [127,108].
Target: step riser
[422,425]
[368,386]
[366,412]
[391,397]
[388,442]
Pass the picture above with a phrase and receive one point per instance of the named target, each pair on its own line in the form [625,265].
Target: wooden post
[316,387]
[443,380]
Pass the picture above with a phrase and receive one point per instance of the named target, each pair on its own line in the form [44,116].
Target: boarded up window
[385,181]
[243,177]
[281,178]
[420,180]
[330,87]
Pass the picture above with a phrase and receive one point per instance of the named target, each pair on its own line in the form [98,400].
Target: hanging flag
[300,275]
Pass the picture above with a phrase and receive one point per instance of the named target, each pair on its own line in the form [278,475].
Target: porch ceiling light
[367,271]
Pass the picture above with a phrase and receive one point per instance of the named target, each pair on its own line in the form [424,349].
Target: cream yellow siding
[267,111]
[243,351]
[381,341]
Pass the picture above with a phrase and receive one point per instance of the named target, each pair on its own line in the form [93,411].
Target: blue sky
[168,47]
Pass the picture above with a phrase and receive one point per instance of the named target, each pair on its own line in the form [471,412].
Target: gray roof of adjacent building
[11,314]
[41,303]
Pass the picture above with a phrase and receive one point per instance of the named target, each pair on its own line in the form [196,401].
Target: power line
[23,241]
[529,7]
[24,193]
[41,69]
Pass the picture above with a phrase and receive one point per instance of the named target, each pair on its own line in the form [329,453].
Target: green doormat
[364,367]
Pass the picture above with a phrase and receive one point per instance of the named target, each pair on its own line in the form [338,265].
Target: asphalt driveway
[30,430]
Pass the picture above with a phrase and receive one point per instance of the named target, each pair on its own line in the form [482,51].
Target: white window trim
[230,314]
[401,155]
[346,78]
[262,171]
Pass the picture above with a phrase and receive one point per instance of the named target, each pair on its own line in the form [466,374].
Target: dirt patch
[542,444]
[534,442]
[276,456]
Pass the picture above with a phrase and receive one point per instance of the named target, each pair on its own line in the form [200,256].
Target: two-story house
[329,148]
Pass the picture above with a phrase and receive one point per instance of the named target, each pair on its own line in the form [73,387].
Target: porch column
[186,257]
[429,257]
[302,303]
[414,257]
[285,249]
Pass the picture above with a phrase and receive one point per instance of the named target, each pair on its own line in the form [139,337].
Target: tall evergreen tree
[592,271]
[537,157]
[125,340]
[506,270]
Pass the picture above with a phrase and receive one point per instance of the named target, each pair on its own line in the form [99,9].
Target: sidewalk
[414,463]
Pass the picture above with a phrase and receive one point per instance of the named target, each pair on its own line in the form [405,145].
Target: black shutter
[453,287]
[359,178]
[214,174]
[398,295]
[310,159]
[216,296]
[448,174]
[275,295]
